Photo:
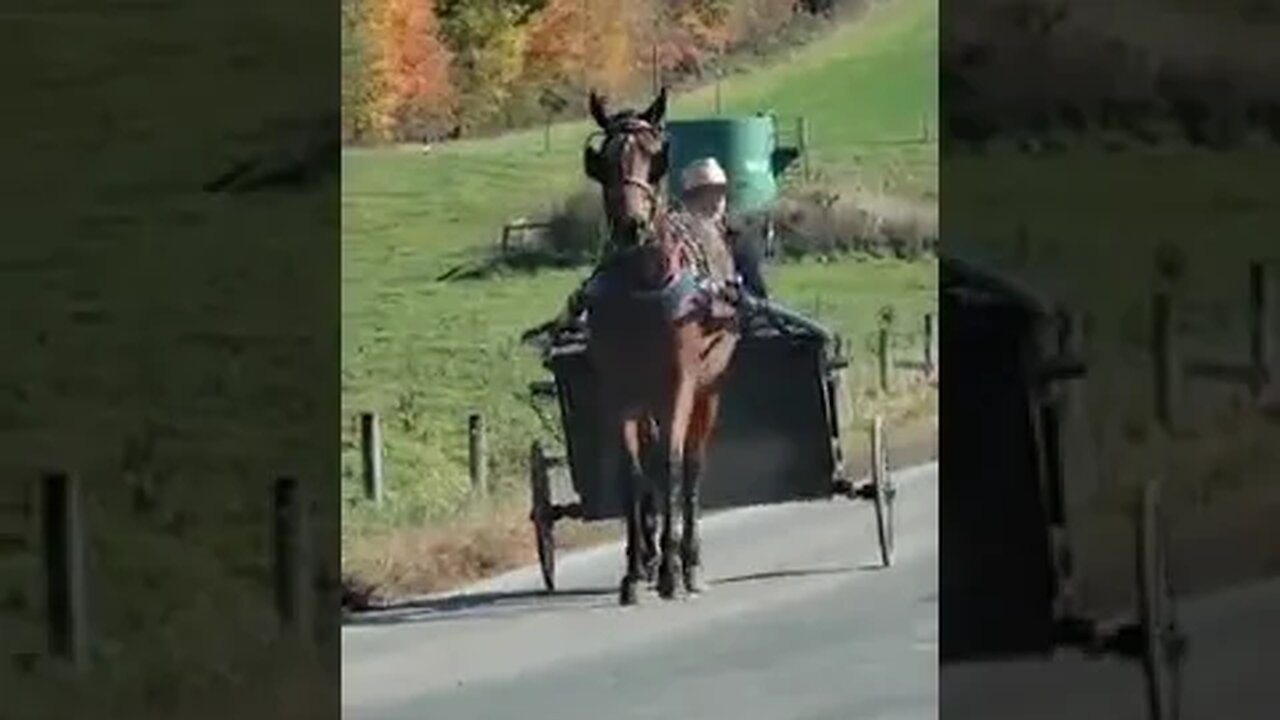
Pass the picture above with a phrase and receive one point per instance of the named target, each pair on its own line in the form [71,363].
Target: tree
[556,43]
[412,95]
[489,41]
[356,83]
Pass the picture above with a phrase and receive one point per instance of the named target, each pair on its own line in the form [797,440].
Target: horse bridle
[628,128]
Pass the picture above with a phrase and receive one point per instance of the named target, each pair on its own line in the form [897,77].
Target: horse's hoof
[666,583]
[651,571]
[693,582]
[627,594]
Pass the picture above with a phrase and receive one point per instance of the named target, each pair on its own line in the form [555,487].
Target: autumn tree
[556,47]
[488,38]
[356,86]
[410,88]
[752,20]
[415,68]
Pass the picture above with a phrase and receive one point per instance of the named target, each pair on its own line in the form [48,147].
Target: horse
[660,339]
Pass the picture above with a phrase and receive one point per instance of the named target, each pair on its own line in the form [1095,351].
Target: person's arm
[747,260]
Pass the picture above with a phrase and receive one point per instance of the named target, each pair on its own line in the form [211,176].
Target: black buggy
[1002,529]
[778,438]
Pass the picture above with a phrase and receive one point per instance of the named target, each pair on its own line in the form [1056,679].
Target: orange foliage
[555,46]
[753,19]
[689,38]
[586,42]
[412,89]
[406,84]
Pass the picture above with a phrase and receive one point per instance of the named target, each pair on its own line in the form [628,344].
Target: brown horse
[659,340]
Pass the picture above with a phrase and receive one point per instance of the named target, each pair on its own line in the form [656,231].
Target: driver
[704,191]
[704,196]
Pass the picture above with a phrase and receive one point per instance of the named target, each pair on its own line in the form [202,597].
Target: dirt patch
[489,540]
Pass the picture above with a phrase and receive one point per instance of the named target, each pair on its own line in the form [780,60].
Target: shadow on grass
[522,262]
[480,606]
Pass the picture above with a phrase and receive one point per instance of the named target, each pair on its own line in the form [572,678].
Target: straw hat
[703,173]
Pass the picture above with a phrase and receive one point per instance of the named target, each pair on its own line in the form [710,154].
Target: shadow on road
[505,604]
[479,605]
[778,574]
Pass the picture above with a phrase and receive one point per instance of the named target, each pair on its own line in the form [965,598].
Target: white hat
[702,173]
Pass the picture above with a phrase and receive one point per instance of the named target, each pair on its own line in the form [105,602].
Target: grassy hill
[425,353]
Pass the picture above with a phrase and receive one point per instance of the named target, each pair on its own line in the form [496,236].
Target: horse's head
[629,165]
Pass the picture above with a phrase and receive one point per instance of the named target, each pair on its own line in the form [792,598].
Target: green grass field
[1084,227]
[148,354]
[424,354]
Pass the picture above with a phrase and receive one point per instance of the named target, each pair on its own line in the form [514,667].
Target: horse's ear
[658,110]
[593,164]
[596,105]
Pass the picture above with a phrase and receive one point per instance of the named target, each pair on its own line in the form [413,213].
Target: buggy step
[542,388]
[1127,639]
[556,513]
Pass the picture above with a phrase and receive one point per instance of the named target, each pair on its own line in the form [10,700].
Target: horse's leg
[649,508]
[632,477]
[673,477]
[701,423]
[649,555]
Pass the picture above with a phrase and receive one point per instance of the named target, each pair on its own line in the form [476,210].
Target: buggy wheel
[542,515]
[1162,640]
[882,493]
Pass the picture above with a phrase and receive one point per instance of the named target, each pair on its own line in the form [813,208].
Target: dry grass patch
[488,540]
[492,538]
[827,222]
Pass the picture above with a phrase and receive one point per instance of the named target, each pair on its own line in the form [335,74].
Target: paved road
[800,622]
[1230,671]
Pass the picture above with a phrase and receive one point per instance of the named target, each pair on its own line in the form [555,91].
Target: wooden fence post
[64,568]
[884,353]
[479,454]
[719,82]
[1262,349]
[930,344]
[802,132]
[371,456]
[1167,367]
[289,553]
[878,469]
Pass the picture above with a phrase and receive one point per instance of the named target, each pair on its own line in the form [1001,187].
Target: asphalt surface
[1230,671]
[800,622]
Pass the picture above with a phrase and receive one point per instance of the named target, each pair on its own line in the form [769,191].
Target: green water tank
[746,147]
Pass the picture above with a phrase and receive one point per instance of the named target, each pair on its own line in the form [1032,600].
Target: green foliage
[488,41]
[356,61]
[520,10]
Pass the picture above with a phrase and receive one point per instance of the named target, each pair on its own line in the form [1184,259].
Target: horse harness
[627,130]
[689,233]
